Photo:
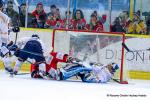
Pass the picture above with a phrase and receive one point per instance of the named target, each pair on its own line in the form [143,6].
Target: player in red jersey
[52,61]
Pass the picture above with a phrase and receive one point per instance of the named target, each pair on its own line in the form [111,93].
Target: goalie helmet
[114,67]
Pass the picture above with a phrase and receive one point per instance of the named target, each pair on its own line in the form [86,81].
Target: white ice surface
[22,87]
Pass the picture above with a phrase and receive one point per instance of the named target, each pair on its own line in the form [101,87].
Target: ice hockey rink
[22,87]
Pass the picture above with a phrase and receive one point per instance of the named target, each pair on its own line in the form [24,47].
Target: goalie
[91,73]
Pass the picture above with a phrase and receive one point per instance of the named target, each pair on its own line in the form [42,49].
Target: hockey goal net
[100,47]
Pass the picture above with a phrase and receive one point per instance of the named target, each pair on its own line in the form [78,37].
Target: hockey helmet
[35,36]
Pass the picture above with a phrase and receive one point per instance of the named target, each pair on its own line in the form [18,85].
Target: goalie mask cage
[91,46]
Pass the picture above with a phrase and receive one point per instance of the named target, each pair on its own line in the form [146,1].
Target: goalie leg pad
[74,72]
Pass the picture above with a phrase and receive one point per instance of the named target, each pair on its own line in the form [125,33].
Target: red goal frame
[121,81]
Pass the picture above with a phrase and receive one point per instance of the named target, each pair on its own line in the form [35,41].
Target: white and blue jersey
[4,37]
[4,22]
[88,73]
[31,48]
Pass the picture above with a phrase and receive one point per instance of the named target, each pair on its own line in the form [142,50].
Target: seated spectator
[50,22]
[31,19]
[117,27]
[78,20]
[53,20]
[96,14]
[95,25]
[53,9]
[124,19]
[57,18]
[146,16]
[64,21]
[136,26]
[58,13]
[12,13]
[40,15]
[148,24]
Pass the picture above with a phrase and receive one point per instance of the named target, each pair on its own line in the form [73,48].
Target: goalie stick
[126,47]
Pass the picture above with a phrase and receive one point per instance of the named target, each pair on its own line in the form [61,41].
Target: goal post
[91,46]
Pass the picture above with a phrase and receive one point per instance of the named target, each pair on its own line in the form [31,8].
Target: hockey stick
[17,4]
[36,54]
[22,73]
[116,80]
[25,51]
[12,75]
[126,47]
[16,37]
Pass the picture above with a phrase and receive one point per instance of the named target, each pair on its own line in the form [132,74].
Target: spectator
[78,20]
[136,25]
[40,15]
[138,13]
[53,20]
[96,14]
[53,9]
[31,19]
[58,13]
[12,13]
[50,22]
[95,25]
[57,18]
[148,24]
[22,14]
[117,26]
[64,21]
[146,16]
[125,20]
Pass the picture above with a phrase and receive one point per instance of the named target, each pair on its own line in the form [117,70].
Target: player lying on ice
[91,73]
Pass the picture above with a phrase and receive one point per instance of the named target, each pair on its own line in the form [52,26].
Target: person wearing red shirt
[64,21]
[51,64]
[94,25]
[40,15]
[78,20]
[50,22]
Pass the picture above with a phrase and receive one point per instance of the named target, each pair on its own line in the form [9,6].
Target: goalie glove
[69,59]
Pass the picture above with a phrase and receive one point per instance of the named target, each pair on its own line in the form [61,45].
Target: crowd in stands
[40,19]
